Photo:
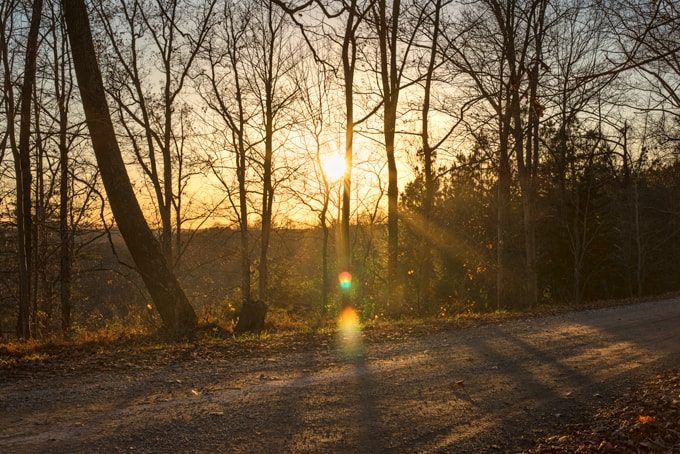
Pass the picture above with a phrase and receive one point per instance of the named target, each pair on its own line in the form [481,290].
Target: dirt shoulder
[436,388]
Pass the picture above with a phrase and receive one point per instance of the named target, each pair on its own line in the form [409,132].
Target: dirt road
[491,388]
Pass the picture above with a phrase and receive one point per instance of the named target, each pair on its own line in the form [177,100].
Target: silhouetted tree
[168,35]
[177,314]
[22,165]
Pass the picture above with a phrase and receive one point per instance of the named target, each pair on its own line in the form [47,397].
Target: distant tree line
[499,154]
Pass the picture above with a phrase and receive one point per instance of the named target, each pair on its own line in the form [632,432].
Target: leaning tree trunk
[172,304]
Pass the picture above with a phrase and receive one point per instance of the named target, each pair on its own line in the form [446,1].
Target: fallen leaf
[459,383]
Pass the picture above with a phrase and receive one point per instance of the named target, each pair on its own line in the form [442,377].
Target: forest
[165,163]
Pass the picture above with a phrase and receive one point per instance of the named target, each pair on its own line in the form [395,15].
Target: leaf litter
[646,420]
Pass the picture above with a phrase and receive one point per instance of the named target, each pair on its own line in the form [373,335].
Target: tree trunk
[324,260]
[177,314]
[392,209]
[387,34]
[251,318]
[267,201]
[503,222]
[244,246]
[323,219]
[528,207]
[243,211]
[424,287]
[65,239]
[23,325]
[62,85]
[23,175]
[64,231]
[348,62]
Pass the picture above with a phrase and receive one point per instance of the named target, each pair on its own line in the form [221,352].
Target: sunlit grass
[259,336]
[36,356]
[282,320]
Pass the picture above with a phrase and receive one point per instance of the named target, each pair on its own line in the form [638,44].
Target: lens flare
[349,332]
[345,279]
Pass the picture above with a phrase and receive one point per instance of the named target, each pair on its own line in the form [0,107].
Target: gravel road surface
[490,388]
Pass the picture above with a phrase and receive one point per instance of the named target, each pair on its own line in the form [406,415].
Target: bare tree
[432,13]
[169,35]
[353,15]
[528,152]
[499,46]
[273,58]
[396,38]
[316,108]
[177,314]
[22,165]
[8,13]
[648,39]
[62,80]
[340,24]
[472,49]
[251,60]
[222,86]
[577,43]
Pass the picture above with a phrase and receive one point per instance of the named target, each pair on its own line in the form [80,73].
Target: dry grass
[137,330]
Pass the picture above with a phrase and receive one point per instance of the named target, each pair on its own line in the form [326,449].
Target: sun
[333,167]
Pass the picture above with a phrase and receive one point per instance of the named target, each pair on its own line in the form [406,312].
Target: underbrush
[141,329]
